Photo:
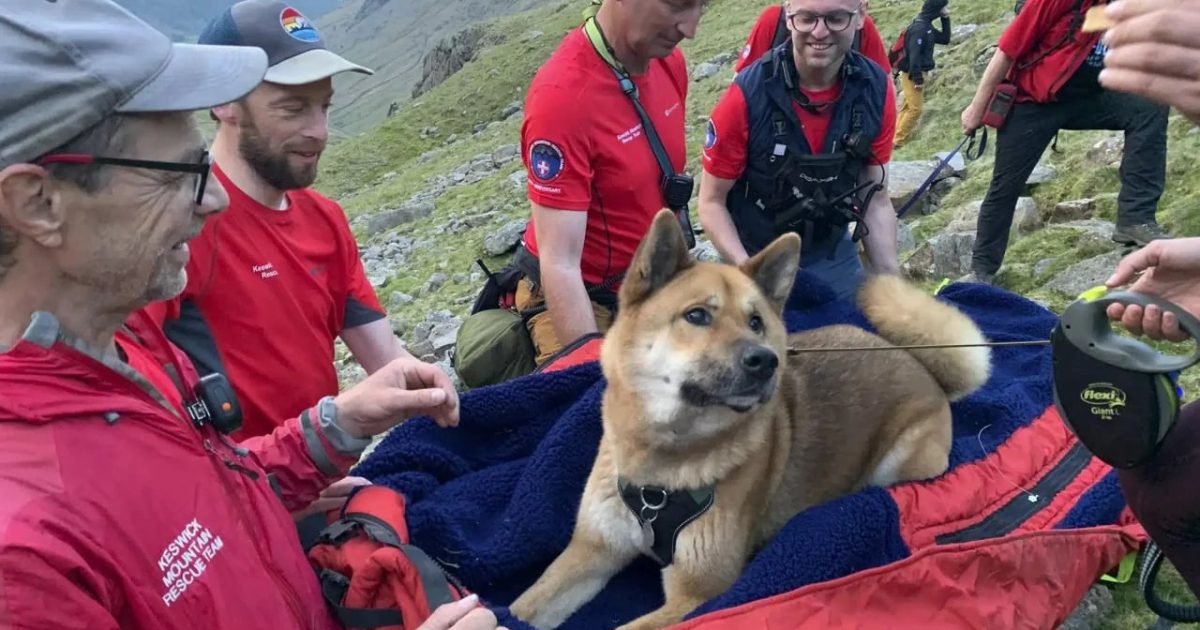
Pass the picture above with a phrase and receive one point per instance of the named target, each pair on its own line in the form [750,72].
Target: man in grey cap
[123,503]
[273,282]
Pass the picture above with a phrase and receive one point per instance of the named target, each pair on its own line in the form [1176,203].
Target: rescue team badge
[298,26]
[545,160]
[710,137]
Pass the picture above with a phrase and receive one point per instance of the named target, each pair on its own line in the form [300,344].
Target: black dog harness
[664,513]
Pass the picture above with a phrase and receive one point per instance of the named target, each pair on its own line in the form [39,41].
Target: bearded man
[275,279]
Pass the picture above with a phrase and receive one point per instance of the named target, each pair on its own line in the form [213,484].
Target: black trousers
[1028,131]
[1162,494]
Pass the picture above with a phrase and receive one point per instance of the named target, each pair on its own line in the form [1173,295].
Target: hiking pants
[1162,495]
[1028,131]
[910,110]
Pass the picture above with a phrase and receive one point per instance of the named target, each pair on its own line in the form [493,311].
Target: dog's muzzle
[758,363]
[749,381]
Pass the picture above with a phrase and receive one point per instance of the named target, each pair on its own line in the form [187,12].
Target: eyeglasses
[806,21]
[200,169]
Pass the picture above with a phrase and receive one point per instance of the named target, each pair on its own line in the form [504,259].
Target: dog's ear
[659,257]
[774,268]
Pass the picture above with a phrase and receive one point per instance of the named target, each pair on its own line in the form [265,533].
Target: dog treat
[1096,20]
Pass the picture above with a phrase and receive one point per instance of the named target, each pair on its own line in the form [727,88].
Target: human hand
[464,614]
[1154,52]
[404,388]
[972,118]
[1170,269]
[331,498]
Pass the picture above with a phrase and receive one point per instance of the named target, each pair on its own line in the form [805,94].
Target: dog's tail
[905,315]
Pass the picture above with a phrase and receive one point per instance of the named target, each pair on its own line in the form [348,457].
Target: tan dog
[705,403]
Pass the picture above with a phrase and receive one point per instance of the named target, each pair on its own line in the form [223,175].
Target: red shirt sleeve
[881,149]
[556,148]
[727,136]
[872,46]
[1030,27]
[761,36]
[360,295]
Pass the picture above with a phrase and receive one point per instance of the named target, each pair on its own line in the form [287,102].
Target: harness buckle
[651,506]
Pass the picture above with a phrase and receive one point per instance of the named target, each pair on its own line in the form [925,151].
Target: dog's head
[699,344]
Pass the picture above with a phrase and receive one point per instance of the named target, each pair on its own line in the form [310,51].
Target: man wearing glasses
[770,30]
[799,143]
[122,504]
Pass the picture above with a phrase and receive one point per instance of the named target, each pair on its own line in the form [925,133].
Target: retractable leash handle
[1123,419]
[1086,325]
[1116,394]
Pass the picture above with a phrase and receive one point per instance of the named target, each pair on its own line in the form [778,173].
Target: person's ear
[31,205]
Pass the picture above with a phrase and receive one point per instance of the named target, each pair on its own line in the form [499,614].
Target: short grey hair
[105,138]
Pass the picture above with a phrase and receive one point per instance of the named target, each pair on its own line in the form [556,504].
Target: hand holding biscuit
[1154,51]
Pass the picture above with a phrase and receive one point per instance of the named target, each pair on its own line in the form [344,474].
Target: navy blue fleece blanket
[496,497]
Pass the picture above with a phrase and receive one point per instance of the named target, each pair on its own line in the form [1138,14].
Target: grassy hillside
[392,37]
[466,119]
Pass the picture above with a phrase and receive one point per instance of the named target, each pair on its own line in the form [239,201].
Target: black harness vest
[789,187]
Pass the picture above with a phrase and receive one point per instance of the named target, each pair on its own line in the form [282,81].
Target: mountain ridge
[182,20]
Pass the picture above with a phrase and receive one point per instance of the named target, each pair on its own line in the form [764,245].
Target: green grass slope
[389,165]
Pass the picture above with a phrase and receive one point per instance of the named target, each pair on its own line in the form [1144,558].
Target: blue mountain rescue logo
[546,160]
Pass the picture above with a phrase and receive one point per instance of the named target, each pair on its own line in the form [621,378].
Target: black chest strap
[663,513]
[811,193]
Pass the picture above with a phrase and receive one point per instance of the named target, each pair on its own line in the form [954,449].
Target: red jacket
[1040,27]
[115,512]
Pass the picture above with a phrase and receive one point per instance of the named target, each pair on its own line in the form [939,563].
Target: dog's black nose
[759,362]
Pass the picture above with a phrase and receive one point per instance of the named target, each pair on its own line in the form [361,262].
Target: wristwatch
[346,444]
[327,411]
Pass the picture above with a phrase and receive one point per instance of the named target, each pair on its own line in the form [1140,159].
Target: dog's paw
[521,609]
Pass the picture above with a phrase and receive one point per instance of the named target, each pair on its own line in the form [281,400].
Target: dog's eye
[756,323]
[698,317]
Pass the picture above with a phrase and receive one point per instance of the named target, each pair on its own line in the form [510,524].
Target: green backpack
[493,344]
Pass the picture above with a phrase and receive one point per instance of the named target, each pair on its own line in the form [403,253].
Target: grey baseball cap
[296,53]
[65,65]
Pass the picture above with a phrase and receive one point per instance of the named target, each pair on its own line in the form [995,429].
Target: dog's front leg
[605,540]
[571,581]
[703,569]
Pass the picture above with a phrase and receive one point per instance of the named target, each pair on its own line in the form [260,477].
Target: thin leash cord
[994,344]
[1033,498]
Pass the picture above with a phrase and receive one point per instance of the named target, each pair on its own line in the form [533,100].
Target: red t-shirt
[585,151]
[137,358]
[273,289]
[725,149]
[762,36]
[1040,25]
